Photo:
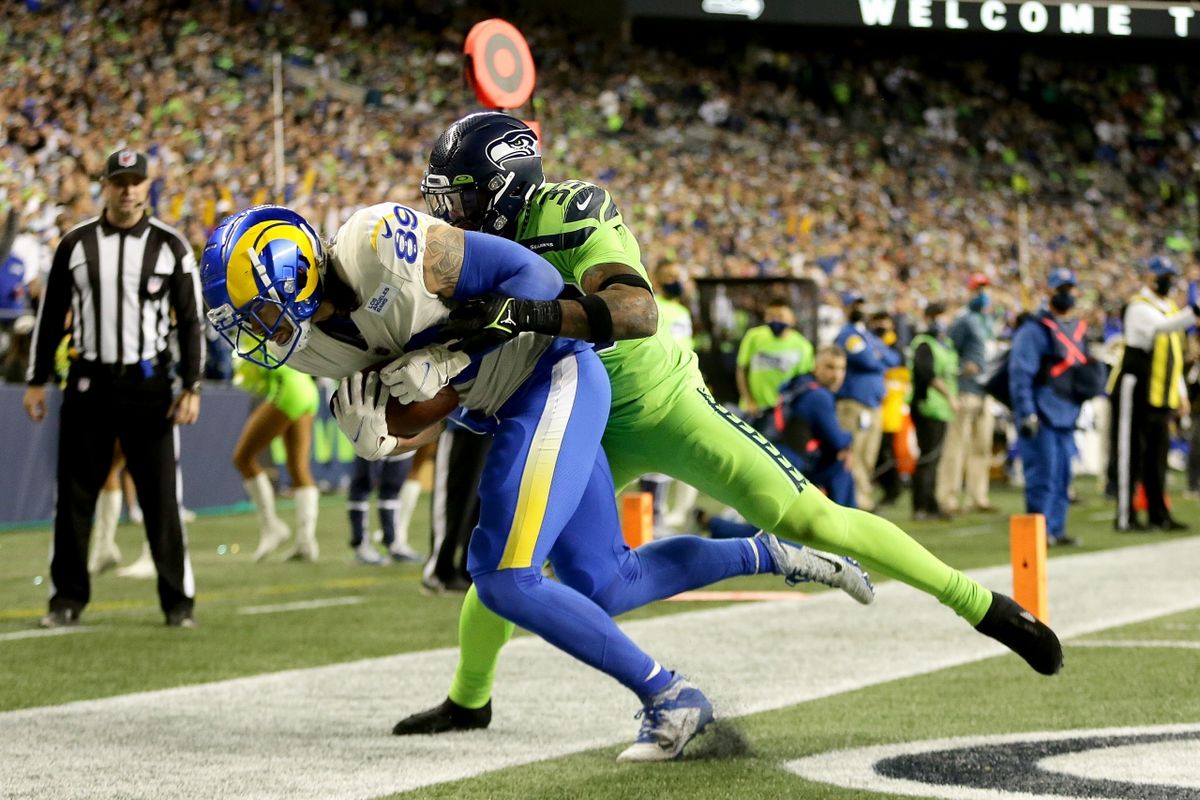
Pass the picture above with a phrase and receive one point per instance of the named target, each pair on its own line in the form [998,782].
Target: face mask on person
[673,289]
[979,302]
[1062,301]
[778,328]
[1163,283]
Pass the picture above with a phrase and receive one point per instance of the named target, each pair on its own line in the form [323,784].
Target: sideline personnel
[122,274]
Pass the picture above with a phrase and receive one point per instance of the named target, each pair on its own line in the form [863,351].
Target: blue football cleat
[799,564]
[670,719]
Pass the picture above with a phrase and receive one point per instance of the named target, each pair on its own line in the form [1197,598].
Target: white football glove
[421,374]
[362,416]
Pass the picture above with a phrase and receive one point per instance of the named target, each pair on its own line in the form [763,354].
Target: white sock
[410,493]
[307,500]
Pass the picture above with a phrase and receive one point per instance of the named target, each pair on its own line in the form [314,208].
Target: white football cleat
[798,564]
[670,719]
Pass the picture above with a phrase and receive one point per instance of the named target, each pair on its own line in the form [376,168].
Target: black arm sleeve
[52,314]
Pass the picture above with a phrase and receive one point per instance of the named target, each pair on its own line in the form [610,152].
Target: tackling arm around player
[485,173]
[387,288]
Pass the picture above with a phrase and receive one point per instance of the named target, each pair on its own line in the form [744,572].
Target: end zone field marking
[1137,643]
[301,605]
[38,633]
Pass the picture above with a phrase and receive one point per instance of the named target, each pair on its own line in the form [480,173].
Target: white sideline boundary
[325,732]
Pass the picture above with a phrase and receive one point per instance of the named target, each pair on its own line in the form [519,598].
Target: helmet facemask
[277,256]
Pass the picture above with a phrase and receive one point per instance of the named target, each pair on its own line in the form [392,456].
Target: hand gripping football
[409,419]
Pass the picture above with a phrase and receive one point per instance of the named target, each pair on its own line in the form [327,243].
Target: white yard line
[302,605]
[1136,643]
[324,732]
[38,633]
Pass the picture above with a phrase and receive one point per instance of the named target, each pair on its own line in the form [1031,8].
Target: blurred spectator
[860,399]
[967,459]
[769,356]
[892,411]
[934,367]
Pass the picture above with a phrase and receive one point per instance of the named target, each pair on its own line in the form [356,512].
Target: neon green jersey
[576,226]
[771,361]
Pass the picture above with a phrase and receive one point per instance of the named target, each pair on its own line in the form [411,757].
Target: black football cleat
[449,716]
[1022,632]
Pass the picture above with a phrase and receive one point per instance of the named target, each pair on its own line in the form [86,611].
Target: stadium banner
[1038,17]
[206,450]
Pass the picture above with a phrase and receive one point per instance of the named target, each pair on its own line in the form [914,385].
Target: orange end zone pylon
[1027,544]
[637,518]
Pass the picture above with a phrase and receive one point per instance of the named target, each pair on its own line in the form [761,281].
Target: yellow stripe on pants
[538,474]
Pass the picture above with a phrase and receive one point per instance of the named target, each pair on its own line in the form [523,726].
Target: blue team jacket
[1031,393]
[867,358]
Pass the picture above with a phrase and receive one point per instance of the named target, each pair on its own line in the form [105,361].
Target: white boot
[410,493]
[104,554]
[142,568]
[685,498]
[307,500]
[272,531]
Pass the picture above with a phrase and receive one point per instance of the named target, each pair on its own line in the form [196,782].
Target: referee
[121,276]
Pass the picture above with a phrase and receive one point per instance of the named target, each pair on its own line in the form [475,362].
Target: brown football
[409,419]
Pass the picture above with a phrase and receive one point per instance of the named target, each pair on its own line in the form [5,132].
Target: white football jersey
[380,253]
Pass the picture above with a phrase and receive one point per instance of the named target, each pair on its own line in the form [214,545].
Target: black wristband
[600,324]
[540,316]
[627,280]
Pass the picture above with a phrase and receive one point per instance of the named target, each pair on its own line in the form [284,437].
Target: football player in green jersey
[485,174]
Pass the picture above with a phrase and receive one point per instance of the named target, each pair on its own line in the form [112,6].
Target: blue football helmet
[260,276]
[482,172]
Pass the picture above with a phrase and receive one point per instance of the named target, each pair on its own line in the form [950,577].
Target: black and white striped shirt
[121,286]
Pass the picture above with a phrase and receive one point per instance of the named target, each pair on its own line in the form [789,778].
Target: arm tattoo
[444,249]
[634,312]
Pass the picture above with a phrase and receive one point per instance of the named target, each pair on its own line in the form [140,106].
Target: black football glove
[1029,427]
[488,322]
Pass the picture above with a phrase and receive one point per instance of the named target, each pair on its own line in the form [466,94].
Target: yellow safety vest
[1166,363]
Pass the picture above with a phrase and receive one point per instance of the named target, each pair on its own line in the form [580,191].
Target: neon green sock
[884,549]
[481,635]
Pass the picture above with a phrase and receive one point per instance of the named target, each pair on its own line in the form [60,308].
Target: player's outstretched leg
[886,549]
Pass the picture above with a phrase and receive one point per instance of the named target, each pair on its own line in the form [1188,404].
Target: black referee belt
[141,370]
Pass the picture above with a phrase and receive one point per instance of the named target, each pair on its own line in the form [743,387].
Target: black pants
[98,409]
[931,436]
[455,508]
[1156,432]
[887,470]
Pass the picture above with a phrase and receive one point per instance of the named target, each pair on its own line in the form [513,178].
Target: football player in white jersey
[396,283]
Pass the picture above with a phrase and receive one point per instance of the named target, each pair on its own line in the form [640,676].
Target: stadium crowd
[896,178]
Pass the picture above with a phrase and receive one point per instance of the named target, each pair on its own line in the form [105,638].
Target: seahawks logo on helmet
[513,144]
